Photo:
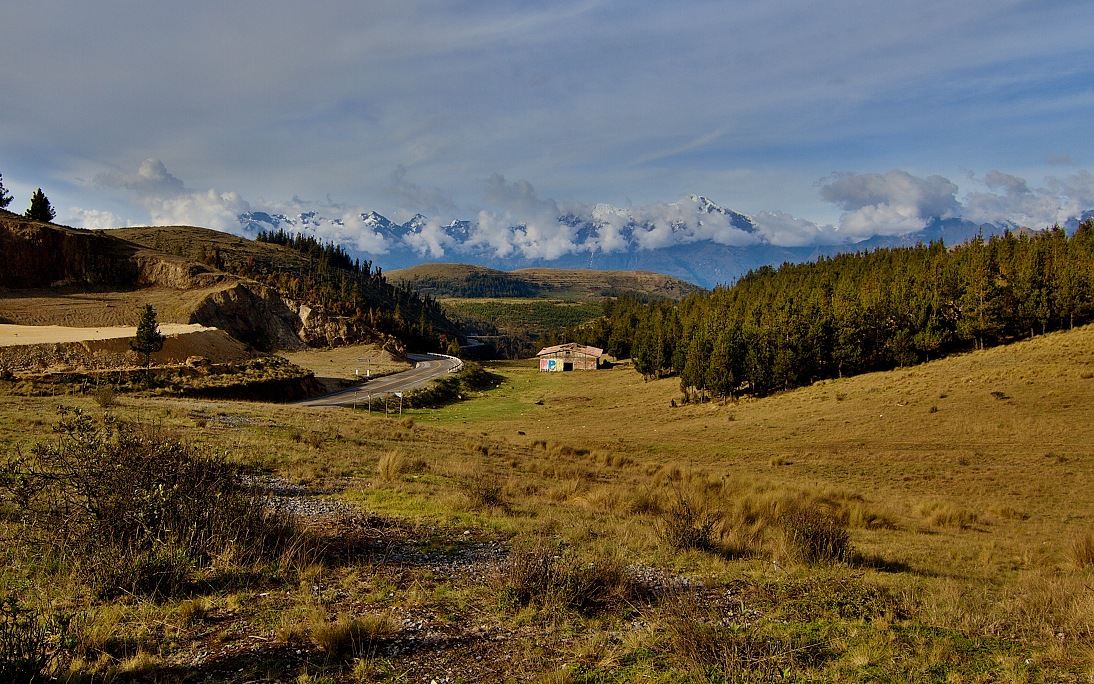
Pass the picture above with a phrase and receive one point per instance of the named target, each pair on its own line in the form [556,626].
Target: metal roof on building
[573,348]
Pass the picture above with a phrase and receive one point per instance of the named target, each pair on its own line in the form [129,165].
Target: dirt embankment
[45,349]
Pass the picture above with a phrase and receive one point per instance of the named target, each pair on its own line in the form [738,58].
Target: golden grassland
[964,484]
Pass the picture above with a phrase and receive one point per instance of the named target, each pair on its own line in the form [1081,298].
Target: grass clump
[813,536]
[686,524]
[391,465]
[543,574]
[131,510]
[484,492]
[732,651]
[350,638]
[1081,551]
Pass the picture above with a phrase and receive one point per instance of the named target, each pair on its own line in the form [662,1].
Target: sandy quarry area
[51,348]
[17,335]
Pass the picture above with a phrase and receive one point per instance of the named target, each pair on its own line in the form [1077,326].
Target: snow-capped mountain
[694,239]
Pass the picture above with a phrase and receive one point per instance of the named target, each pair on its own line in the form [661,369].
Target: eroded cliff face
[42,255]
[318,329]
[254,314]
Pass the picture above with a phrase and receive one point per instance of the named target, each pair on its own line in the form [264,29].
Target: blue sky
[846,117]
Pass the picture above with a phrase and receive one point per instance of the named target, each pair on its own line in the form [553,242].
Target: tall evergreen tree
[40,208]
[148,340]
[5,198]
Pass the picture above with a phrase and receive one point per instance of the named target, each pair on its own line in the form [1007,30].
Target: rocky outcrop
[114,353]
[254,314]
[319,329]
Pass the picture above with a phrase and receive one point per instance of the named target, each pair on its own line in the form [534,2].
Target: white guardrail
[458,360]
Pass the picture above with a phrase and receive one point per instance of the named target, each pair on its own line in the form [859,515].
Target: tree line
[776,329]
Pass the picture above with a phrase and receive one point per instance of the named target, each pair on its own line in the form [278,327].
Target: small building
[568,357]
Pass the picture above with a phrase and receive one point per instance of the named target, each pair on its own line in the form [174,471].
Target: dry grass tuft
[392,465]
[687,524]
[543,574]
[813,535]
[350,638]
[942,514]
[1081,551]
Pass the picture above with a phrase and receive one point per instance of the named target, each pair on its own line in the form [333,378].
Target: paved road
[427,367]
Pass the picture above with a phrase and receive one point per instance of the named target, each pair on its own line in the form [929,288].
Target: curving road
[427,367]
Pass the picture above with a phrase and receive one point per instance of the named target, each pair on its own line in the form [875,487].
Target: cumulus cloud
[152,180]
[895,203]
[208,209]
[1010,199]
[430,239]
[784,230]
[93,219]
[520,222]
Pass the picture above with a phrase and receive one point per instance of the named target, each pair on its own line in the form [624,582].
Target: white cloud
[430,240]
[209,209]
[783,230]
[92,219]
[895,203]
[1010,199]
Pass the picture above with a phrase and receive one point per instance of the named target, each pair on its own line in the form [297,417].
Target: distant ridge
[470,281]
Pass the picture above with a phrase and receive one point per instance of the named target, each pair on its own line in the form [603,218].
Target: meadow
[928,524]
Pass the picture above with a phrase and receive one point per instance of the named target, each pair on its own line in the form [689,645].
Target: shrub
[484,491]
[106,397]
[30,644]
[134,510]
[687,525]
[812,535]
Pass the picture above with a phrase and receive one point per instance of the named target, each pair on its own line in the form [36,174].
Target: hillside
[267,296]
[468,281]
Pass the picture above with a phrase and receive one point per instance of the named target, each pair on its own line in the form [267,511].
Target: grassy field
[931,524]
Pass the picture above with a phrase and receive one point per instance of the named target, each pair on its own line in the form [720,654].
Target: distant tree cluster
[352,288]
[479,285]
[853,313]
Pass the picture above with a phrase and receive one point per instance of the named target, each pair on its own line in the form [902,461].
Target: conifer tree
[5,198]
[40,208]
[148,339]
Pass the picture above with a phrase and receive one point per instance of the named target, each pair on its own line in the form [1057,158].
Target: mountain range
[695,240]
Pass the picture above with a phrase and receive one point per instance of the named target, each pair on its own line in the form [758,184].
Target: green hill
[466,281]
